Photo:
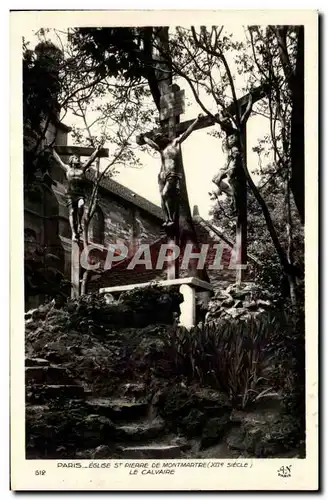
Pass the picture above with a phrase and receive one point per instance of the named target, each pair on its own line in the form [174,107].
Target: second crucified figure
[169,177]
[227,180]
[75,175]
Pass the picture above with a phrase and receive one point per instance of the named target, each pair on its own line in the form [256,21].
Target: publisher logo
[285,471]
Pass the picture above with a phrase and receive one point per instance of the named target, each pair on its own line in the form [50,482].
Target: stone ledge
[191,281]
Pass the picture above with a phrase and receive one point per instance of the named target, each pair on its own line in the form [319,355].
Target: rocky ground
[238,301]
[114,396]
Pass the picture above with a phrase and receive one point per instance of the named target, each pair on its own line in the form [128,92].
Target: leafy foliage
[41,88]
[268,275]
[114,51]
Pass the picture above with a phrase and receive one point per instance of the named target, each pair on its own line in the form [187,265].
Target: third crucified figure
[227,180]
[169,177]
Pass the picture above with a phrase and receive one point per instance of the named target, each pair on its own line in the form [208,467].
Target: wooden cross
[207,121]
[170,109]
[75,245]
[80,151]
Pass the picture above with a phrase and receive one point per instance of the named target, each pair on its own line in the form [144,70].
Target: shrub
[135,308]
[152,304]
[234,357]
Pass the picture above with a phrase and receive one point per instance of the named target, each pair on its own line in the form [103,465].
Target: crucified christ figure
[227,180]
[169,176]
[75,175]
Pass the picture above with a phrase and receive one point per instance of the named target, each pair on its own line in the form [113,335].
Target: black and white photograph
[166,256]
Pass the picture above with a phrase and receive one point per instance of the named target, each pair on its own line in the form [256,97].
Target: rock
[151,346]
[236,291]
[264,303]
[239,294]
[181,442]
[102,451]
[212,403]
[54,356]
[263,433]
[35,410]
[84,454]
[238,304]
[221,295]
[141,431]
[98,420]
[211,316]
[96,430]
[191,425]
[214,430]
[40,312]
[47,375]
[231,288]
[234,313]
[236,439]
[109,298]
[153,451]
[31,314]
[262,416]
[174,402]
[43,393]
[138,388]
[36,362]
[260,311]
[228,302]
[250,305]
[119,409]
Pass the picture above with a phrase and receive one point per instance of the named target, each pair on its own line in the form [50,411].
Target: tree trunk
[187,230]
[188,233]
[290,257]
[287,267]
[297,128]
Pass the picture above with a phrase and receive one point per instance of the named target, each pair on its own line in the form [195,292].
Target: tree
[202,59]
[41,88]
[268,275]
[61,79]
[129,53]
[278,55]
[57,79]
[127,118]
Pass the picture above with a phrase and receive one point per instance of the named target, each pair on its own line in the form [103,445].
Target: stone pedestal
[75,270]
[188,306]
[188,288]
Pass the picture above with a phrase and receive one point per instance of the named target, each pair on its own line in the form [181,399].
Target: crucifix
[76,180]
[236,145]
[168,145]
[169,176]
[235,184]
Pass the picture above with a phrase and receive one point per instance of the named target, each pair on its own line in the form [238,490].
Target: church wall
[123,222]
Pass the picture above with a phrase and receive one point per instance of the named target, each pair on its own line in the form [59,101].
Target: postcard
[164,243]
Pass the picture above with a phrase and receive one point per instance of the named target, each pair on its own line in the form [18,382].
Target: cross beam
[80,151]
[207,121]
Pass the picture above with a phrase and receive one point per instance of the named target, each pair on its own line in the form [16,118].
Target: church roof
[127,194]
